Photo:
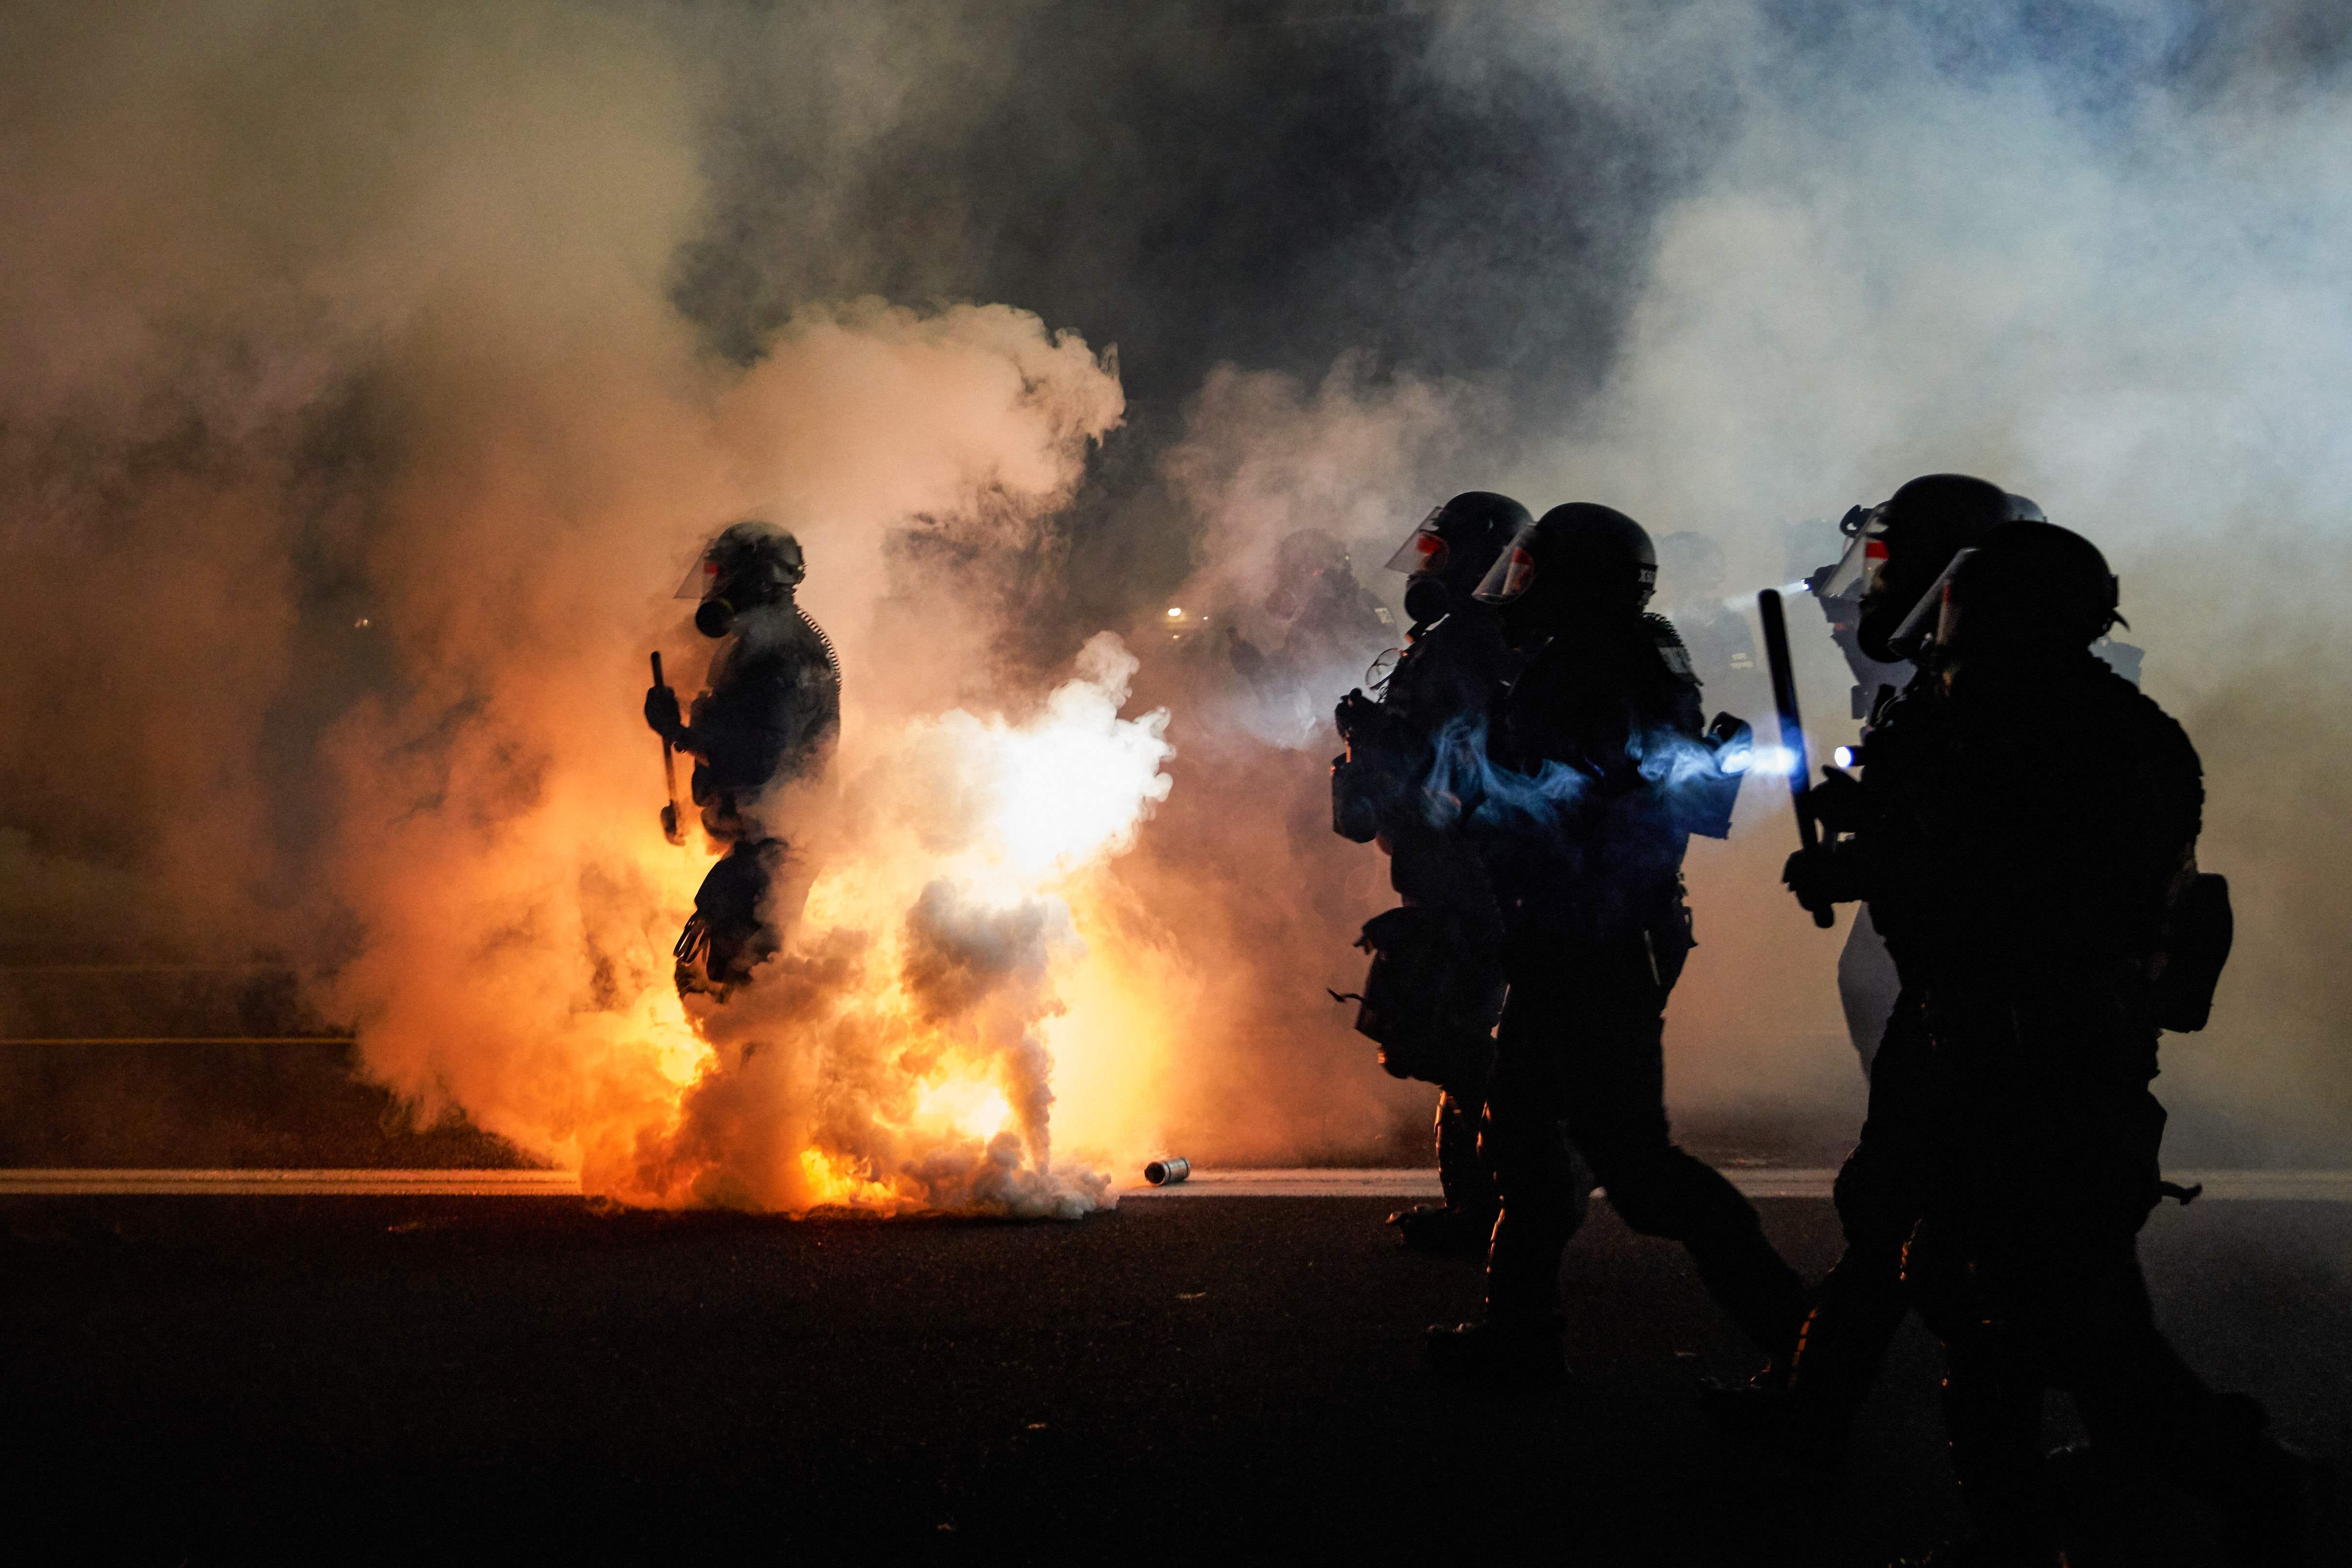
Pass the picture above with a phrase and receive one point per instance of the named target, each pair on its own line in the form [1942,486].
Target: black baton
[672,829]
[1792,728]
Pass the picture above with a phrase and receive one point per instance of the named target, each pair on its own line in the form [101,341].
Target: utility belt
[2089,1040]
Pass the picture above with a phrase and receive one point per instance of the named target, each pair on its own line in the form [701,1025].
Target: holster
[1429,1001]
[2199,929]
[1374,778]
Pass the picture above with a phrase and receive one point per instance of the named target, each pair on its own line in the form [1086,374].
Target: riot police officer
[2027,836]
[1881,600]
[770,714]
[1607,770]
[1894,550]
[1454,667]
[1896,554]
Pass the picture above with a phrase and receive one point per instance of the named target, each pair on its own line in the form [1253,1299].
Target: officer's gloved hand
[1822,878]
[661,713]
[1349,714]
[1836,801]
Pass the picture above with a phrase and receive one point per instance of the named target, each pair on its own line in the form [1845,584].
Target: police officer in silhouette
[1602,769]
[1453,670]
[771,715]
[2025,830]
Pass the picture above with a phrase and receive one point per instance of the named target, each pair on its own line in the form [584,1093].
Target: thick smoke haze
[371,377]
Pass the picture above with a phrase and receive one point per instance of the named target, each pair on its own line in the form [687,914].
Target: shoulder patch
[1671,651]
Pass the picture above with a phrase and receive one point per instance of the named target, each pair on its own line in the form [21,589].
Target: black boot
[2269,1495]
[1499,1355]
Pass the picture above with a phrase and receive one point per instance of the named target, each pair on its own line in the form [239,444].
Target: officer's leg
[1460,1174]
[2151,1417]
[1529,1155]
[1880,1194]
[1614,1090]
[1465,1222]
[726,939]
[1519,1340]
[1992,1392]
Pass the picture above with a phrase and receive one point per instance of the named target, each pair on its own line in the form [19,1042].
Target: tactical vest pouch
[1371,779]
[1429,1005]
[1355,806]
[2198,931]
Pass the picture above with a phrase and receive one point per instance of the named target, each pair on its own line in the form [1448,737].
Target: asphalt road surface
[525,1379]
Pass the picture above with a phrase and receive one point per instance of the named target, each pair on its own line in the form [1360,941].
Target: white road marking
[1757,1182]
[292,1184]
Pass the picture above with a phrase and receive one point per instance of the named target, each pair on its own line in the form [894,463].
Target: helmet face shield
[1423,551]
[1513,572]
[1857,571]
[702,578]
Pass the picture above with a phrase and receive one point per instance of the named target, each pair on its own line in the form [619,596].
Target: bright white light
[1073,785]
[1173,612]
[1035,801]
[1843,756]
[977,1109]
[1779,761]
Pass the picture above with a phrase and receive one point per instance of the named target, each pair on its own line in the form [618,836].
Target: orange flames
[901,1054]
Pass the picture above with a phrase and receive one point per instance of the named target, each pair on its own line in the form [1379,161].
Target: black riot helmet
[1905,543]
[748,564]
[1448,554]
[2031,588]
[1578,562]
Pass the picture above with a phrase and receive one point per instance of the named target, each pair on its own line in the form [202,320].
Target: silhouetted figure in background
[2026,831]
[1325,618]
[771,715]
[1722,646]
[1453,670]
[1610,769]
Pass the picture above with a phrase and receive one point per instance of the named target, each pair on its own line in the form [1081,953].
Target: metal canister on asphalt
[1167,1170]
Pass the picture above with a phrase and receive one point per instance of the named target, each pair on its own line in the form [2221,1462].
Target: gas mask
[1422,558]
[715,617]
[745,567]
[1427,599]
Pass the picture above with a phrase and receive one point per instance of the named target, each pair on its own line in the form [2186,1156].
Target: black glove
[1836,801]
[1350,714]
[661,714]
[1822,878]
